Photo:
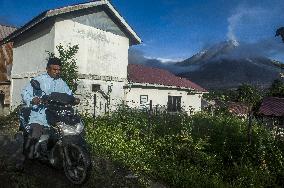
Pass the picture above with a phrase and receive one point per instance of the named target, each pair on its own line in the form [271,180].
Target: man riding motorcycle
[49,82]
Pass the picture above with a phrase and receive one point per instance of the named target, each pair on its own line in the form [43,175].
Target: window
[143,99]
[174,103]
[2,98]
[96,87]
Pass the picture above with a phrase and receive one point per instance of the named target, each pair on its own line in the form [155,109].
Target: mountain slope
[227,73]
[221,66]
[216,51]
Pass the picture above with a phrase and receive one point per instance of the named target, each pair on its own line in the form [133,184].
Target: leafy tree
[69,68]
[221,95]
[276,89]
[249,95]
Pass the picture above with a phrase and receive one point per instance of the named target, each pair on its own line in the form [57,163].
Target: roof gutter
[158,86]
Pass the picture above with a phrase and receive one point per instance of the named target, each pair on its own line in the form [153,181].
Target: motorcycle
[61,144]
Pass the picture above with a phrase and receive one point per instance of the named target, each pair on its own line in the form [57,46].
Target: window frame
[174,103]
[144,96]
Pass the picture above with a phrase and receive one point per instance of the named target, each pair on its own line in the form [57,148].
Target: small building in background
[160,90]
[271,112]
[239,109]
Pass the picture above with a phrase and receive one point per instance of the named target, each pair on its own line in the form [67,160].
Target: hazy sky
[176,29]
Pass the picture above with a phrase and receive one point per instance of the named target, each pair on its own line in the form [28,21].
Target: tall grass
[189,151]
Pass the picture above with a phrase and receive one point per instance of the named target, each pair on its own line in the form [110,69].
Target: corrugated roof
[59,11]
[6,30]
[144,75]
[238,109]
[272,106]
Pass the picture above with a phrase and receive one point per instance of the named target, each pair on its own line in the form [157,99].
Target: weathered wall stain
[6,60]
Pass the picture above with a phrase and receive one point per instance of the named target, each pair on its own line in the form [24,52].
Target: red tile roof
[5,31]
[144,74]
[272,106]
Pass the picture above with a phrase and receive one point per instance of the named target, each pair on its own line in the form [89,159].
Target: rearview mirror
[35,84]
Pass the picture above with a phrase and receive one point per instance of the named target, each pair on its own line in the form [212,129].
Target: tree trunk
[249,134]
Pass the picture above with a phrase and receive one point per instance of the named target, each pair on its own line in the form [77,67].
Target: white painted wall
[160,97]
[29,59]
[100,52]
[113,89]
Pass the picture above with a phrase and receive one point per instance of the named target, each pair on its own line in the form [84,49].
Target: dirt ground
[38,174]
[16,172]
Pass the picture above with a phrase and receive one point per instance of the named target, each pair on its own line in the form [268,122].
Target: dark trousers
[36,130]
[35,133]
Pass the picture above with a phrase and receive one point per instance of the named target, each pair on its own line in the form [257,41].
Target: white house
[161,90]
[104,38]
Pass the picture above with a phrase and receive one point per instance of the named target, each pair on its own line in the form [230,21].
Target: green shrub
[189,151]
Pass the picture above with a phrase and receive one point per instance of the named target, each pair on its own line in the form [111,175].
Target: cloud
[138,57]
[254,27]
[166,60]
[244,17]
[270,47]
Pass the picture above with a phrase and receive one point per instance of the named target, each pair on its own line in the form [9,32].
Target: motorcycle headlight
[72,130]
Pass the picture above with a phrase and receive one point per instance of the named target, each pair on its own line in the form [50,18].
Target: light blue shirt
[48,85]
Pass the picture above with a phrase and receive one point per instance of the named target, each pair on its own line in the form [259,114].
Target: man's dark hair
[53,61]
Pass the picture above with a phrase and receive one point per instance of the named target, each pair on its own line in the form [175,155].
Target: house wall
[100,20]
[159,98]
[102,59]
[100,53]
[100,105]
[29,59]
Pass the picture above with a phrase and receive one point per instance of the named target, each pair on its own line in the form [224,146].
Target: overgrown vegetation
[276,89]
[183,151]
[9,124]
[180,151]
[202,150]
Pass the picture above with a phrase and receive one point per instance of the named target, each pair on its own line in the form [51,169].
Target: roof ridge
[71,8]
[5,25]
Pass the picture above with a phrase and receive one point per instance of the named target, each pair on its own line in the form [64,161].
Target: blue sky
[177,29]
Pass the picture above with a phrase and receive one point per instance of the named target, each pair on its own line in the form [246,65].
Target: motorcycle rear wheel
[77,164]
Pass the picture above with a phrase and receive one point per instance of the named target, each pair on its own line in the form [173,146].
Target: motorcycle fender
[76,139]
[56,156]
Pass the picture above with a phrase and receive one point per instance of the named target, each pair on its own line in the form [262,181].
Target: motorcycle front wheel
[76,164]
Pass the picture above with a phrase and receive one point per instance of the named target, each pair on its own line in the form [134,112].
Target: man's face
[53,71]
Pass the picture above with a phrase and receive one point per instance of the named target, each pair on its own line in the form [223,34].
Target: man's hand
[36,101]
